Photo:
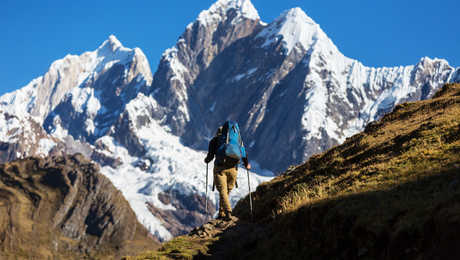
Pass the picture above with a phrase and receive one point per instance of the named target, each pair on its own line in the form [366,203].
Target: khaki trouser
[225,179]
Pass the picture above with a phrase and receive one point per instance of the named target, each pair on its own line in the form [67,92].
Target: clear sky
[378,33]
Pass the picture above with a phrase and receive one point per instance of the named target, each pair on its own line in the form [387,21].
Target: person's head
[219,131]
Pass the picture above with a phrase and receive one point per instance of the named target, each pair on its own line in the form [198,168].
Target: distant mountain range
[289,87]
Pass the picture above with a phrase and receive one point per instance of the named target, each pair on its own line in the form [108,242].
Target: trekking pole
[206,200]
[250,198]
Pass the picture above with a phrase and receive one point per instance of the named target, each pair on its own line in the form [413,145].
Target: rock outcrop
[62,207]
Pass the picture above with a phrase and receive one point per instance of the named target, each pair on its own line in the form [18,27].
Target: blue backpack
[230,142]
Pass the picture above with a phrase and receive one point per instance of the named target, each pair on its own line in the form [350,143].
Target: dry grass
[398,177]
[417,140]
[182,247]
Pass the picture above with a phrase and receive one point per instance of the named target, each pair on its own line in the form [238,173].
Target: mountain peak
[293,27]
[113,40]
[296,14]
[426,59]
[111,44]
[220,8]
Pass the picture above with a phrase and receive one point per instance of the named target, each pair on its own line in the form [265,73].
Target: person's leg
[231,178]
[230,175]
[220,180]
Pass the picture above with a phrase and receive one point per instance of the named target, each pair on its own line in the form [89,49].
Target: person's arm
[211,151]
[246,163]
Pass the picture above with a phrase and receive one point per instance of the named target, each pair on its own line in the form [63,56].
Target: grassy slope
[390,192]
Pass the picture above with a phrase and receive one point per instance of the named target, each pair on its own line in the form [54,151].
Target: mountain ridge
[107,105]
[368,90]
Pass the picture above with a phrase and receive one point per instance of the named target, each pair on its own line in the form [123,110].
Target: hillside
[62,208]
[290,88]
[390,192]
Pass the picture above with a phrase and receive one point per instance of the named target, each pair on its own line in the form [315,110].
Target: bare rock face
[62,207]
[203,41]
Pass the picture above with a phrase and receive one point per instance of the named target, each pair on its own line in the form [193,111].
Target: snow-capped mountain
[96,104]
[286,83]
[293,92]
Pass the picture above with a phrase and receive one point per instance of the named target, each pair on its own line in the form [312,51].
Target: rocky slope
[62,207]
[286,83]
[390,192]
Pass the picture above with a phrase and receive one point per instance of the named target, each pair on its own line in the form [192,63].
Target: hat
[219,130]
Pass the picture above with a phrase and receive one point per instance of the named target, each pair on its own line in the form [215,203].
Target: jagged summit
[427,60]
[295,28]
[112,44]
[113,40]
[112,49]
[297,14]
[218,11]
[78,88]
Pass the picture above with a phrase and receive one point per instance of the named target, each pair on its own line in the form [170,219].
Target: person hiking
[227,138]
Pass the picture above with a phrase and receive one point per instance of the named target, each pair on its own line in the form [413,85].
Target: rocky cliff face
[214,31]
[62,207]
[292,91]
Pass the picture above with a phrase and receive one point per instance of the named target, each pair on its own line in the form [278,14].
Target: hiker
[226,167]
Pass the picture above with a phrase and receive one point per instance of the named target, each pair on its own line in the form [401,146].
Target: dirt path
[229,238]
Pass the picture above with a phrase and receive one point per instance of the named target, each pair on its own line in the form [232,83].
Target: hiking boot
[229,217]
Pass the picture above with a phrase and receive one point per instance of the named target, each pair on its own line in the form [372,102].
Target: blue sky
[378,33]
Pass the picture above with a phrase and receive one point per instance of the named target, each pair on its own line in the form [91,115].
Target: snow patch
[10,128]
[218,12]
[244,75]
[45,145]
[178,69]
[211,109]
[294,28]
[58,131]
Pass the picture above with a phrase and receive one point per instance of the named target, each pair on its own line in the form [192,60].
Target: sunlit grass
[182,247]
[401,150]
